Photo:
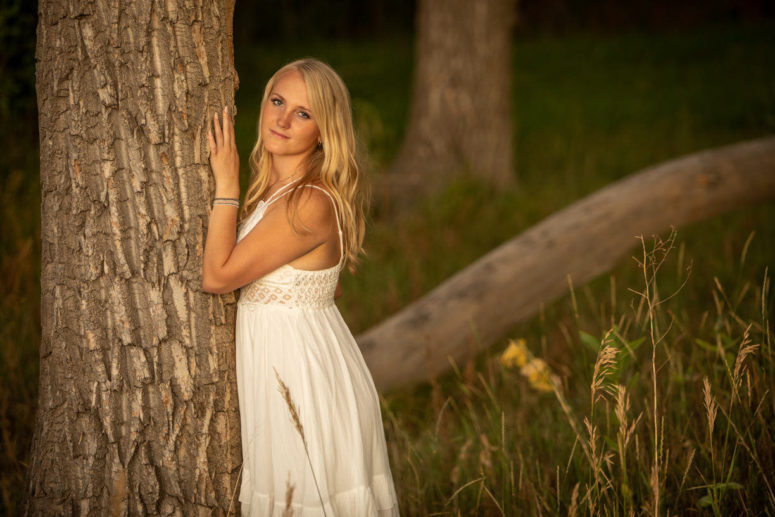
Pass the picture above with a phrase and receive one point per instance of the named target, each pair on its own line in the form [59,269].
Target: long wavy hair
[333,163]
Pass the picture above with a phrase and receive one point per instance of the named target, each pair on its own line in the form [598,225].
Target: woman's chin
[282,150]
[278,148]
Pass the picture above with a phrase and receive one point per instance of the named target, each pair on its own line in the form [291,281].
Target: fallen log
[476,306]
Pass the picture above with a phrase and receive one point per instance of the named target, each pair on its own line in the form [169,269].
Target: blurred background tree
[460,118]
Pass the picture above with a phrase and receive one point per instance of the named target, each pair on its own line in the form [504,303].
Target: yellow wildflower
[515,354]
[538,374]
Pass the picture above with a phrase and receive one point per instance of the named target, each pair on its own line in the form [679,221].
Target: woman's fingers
[218,131]
[230,126]
[227,140]
[211,141]
[223,131]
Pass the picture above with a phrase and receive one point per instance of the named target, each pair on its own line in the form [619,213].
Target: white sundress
[289,327]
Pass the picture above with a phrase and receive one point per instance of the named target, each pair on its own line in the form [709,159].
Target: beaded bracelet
[230,201]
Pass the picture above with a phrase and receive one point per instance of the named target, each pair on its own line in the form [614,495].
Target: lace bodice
[287,286]
[293,288]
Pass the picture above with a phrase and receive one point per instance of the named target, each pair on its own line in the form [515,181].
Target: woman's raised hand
[224,159]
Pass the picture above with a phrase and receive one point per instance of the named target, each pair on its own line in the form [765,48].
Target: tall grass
[652,409]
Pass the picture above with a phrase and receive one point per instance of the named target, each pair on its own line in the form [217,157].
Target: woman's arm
[227,266]
[222,225]
[272,243]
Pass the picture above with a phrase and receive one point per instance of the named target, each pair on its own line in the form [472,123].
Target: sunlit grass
[654,408]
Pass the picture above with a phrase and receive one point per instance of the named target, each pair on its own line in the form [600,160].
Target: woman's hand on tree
[224,159]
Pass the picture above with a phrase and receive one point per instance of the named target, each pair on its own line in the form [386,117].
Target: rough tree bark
[460,116]
[138,410]
[583,240]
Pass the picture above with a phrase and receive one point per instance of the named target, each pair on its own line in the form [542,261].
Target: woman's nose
[284,118]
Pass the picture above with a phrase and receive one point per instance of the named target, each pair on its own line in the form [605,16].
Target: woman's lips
[275,133]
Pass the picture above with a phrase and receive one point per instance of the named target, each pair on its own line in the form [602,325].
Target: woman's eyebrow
[283,99]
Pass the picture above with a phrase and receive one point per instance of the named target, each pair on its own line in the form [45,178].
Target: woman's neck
[285,168]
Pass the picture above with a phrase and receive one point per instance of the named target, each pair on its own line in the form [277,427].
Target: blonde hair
[333,163]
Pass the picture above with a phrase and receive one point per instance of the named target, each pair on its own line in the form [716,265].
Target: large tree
[137,407]
[460,115]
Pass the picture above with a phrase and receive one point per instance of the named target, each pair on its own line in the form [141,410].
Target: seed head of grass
[622,408]
[574,501]
[605,366]
[294,411]
[711,407]
[292,408]
[745,350]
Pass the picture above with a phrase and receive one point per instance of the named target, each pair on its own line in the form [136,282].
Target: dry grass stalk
[654,484]
[591,501]
[651,263]
[598,458]
[592,433]
[623,438]
[622,408]
[293,409]
[460,489]
[574,501]
[461,459]
[485,455]
[566,409]
[289,488]
[234,493]
[492,498]
[686,470]
[763,303]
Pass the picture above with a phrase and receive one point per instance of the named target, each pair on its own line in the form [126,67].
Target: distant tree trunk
[460,116]
[138,409]
[475,307]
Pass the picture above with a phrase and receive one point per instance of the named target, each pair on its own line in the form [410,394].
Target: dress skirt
[340,465]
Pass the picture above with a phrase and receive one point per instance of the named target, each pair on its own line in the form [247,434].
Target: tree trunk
[138,409]
[475,307]
[460,117]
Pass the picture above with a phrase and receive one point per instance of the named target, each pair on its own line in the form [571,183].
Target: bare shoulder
[315,207]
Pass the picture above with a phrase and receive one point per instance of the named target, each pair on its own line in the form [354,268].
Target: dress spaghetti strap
[280,193]
[287,188]
[336,214]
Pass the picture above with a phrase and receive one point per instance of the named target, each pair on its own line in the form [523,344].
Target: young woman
[310,415]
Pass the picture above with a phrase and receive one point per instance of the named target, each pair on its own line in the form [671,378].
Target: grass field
[650,389]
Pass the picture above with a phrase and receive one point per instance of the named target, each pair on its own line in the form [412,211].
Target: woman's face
[288,127]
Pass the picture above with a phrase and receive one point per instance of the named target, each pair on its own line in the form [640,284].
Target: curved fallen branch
[587,238]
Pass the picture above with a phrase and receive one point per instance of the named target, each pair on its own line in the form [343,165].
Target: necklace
[288,179]
[285,184]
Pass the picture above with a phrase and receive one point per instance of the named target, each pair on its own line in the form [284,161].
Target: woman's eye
[276,102]
[304,114]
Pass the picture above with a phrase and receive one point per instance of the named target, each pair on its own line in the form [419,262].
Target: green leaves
[715,492]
